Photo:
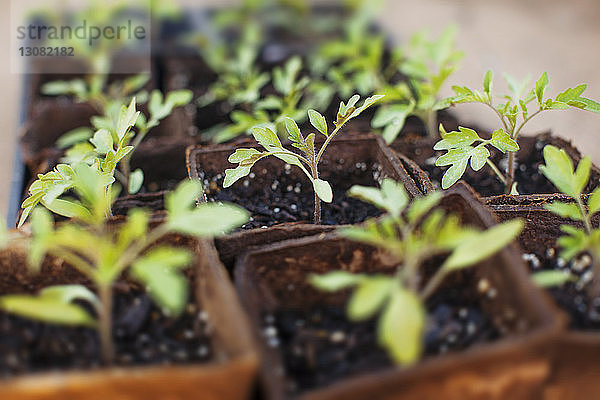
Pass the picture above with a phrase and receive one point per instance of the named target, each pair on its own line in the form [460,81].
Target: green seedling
[111,146]
[427,65]
[239,80]
[103,253]
[572,182]
[98,57]
[308,162]
[412,233]
[295,95]
[466,146]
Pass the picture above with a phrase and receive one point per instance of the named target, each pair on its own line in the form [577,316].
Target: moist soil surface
[321,346]
[142,336]
[287,196]
[574,297]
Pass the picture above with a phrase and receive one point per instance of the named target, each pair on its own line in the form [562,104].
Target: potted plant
[109,288]
[279,185]
[515,171]
[561,238]
[329,344]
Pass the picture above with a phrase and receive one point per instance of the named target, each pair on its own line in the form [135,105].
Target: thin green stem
[433,284]
[496,170]
[510,172]
[584,213]
[327,141]
[516,133]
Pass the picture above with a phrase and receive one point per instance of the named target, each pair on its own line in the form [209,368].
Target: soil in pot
[277,193]
[321,346]
[479,320]
[142,336]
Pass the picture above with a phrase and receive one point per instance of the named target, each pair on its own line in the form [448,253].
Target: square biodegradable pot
[272,283]
[280,199]
[233,356]
[576,372]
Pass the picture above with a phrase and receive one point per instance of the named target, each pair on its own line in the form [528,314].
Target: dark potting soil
[142,336]
[321,346]
[286,195]
[573,297]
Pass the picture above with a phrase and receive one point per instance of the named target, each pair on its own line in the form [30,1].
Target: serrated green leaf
[487,83]
[480,247]
[183,198]
[318,121]
[369,297]
[209,220]
[455,139]
[559,170]
[293,130]
[158,269]
[232,175]
[503,142]
[266,137]
[575,242]
[52,306]
[323,190]
[102,141]
[401,327]
[582,174]
[392,197]
[540,87]
[479,156]
[565,210]
[594,202]
[335,281]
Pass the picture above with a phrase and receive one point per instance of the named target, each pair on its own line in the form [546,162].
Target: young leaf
[266,137]
[208,220]
[540,87]
[233,175]
[159,271]
[52,306]
[335,281]
[565,210]
[502,141]
[559,170]
[487,83]
[318,121]
[73,137]
[594,202]
[401,326]
[457,139]
[392,197]
[484,245]
[323,190]
[369,297]
[136,180]
[575,242]
[550,279]
[293,131]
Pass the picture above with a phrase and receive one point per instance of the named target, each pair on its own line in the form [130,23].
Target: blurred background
[517,37]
